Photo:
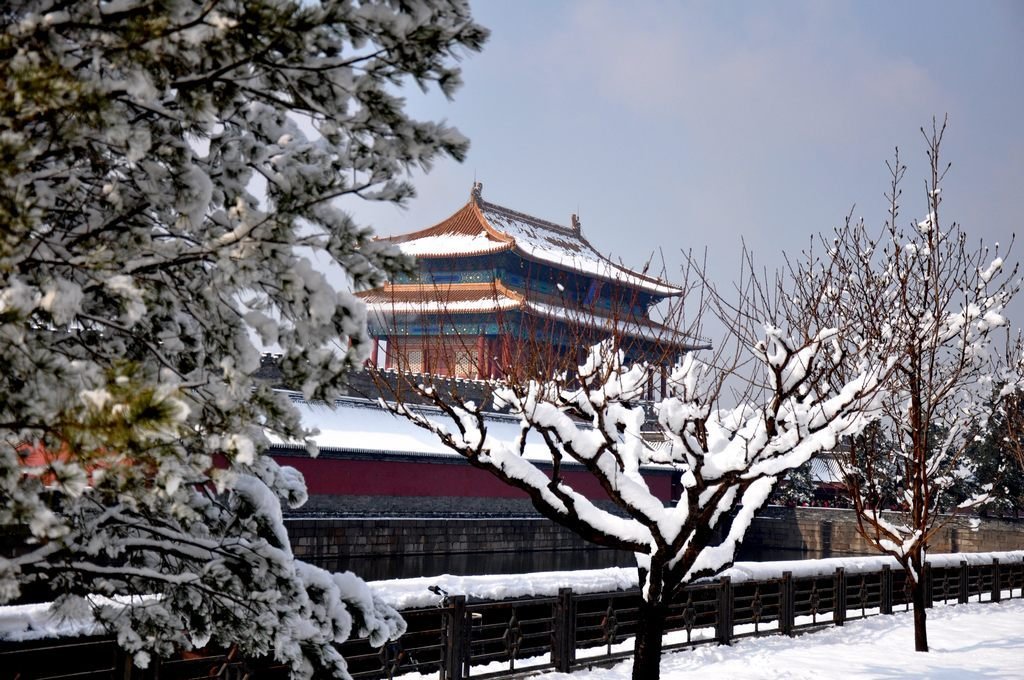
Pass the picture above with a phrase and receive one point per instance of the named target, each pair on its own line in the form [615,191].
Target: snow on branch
[169,175]
[728,459]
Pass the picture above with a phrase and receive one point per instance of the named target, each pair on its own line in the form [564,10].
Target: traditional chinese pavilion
[495,287]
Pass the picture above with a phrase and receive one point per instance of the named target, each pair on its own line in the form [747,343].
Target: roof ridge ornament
[577,226]
[476,193]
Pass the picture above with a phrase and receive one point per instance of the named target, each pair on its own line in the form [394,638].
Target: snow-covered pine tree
[921,297]
[796,488]
[168,172]
[1006,436]
[729,454]
[996,465]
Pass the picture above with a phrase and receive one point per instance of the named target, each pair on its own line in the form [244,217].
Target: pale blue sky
[679,125]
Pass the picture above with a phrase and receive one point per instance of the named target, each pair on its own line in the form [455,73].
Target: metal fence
[468,639]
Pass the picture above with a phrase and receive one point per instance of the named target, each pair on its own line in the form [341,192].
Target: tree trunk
[649,632]
[920,612]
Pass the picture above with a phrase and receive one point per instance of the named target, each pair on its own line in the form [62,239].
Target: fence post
[455,632]
[839,590]
[787,605]
[724,632]
[563,647]
[886,589]
[122,663]
[929,586]
[997,581]
[964,591]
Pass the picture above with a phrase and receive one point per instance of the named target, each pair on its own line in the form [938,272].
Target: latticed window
[414,360]
[408,354]
[464,364]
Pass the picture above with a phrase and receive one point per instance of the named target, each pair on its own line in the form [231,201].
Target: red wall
[332,476]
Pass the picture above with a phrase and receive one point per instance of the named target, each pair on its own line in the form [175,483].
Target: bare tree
[922,297]
[729,456]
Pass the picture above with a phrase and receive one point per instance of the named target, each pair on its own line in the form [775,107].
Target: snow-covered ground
[967,641]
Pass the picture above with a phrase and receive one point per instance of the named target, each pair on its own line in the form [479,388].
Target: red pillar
[481,357]
[374,351]
[506,354]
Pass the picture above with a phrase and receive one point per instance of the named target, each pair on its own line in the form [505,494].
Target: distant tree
[924,299]
[878,478]
[796,488]
[167,172]
[729,456]
[998,457]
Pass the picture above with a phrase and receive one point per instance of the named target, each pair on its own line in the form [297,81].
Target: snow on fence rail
[548,625]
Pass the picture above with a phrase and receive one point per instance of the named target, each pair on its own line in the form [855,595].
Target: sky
[675,126]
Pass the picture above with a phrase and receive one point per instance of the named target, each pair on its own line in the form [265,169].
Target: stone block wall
[436,507]
[335,543]
[828,532]
[388,547]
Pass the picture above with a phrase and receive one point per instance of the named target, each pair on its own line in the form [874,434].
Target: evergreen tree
[797,488]
[994,456]
[168,174]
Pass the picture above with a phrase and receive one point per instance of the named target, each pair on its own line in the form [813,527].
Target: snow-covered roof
[480,228]
[825,470]
[630,326]
[490,296]
[362,425]
[480,304]
[494,297]
[453,244]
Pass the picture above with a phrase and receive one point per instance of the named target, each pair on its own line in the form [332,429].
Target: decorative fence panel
[463,639]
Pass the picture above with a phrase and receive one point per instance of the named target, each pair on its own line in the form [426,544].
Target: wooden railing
[501,639]
[468,639]
[96,658]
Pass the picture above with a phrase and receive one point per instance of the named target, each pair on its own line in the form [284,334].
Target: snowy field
[967,641]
